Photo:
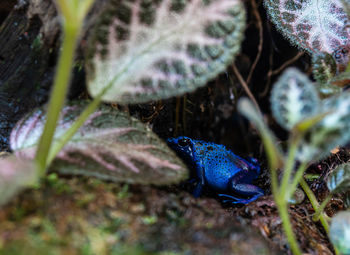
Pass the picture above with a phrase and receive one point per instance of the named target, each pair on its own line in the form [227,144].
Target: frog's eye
[184,142]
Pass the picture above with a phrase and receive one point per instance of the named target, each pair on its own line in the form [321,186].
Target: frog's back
[219,163]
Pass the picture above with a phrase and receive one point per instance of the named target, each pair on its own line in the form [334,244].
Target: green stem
[65,8]
[297,177]
[282,207]
[314,203]
[58,94]
[58,145]
[320,209]
[287,173]
[322,217]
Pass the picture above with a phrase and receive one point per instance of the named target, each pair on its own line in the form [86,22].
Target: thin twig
[287,63]
[245,86]
[260,46]
[269,75]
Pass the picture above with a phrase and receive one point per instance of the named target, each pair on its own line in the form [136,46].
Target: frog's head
[183,146]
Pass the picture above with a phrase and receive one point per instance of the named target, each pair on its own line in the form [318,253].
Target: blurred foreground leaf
[340,232]
[110,145]
[15,175]
[146,50]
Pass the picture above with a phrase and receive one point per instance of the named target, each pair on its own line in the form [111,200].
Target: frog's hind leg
[198,190]
[255,192]
[243,189]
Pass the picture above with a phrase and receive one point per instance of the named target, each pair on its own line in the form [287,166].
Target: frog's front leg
[237,185]
[201,180]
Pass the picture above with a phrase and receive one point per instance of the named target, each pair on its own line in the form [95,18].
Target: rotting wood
[29,39]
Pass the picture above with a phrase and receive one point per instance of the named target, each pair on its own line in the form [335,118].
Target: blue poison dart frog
[219,169]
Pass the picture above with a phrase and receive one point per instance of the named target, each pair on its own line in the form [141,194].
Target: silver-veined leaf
[110,145]
[339,179]
[333,130]
[313,25]
[339,232]
[293,98]
[145,50]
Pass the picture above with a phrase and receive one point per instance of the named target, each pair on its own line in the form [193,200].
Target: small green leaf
[333,130]
[339,179]
[339,232]
[306,124]
[324,67]
[146,50]
[15,175]
[246,108]
[110,145]
[293,99]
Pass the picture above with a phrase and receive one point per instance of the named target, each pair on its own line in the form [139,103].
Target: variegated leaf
[15,175]
[110,145]
[144,50]
[313,25]
[293,98]
[339,232]
[339,179]
[333,130]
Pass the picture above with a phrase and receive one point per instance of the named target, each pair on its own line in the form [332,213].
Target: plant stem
[322,217]
[320,209]
[65,8]
[298,175]
[58,145]
[282,207]
[289,166]
[314,203]
[58,94]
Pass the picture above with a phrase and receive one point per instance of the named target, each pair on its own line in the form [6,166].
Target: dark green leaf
[111,145]
[333,130]
[339,179]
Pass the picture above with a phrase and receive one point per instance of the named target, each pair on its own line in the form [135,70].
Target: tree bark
[30,42]
[28,39]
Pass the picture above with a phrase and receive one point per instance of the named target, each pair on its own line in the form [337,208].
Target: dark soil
[78,215]
[86,216]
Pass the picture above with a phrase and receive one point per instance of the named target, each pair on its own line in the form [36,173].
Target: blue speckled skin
[220,169]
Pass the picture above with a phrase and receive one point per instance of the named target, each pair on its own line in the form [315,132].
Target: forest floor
[79,215]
